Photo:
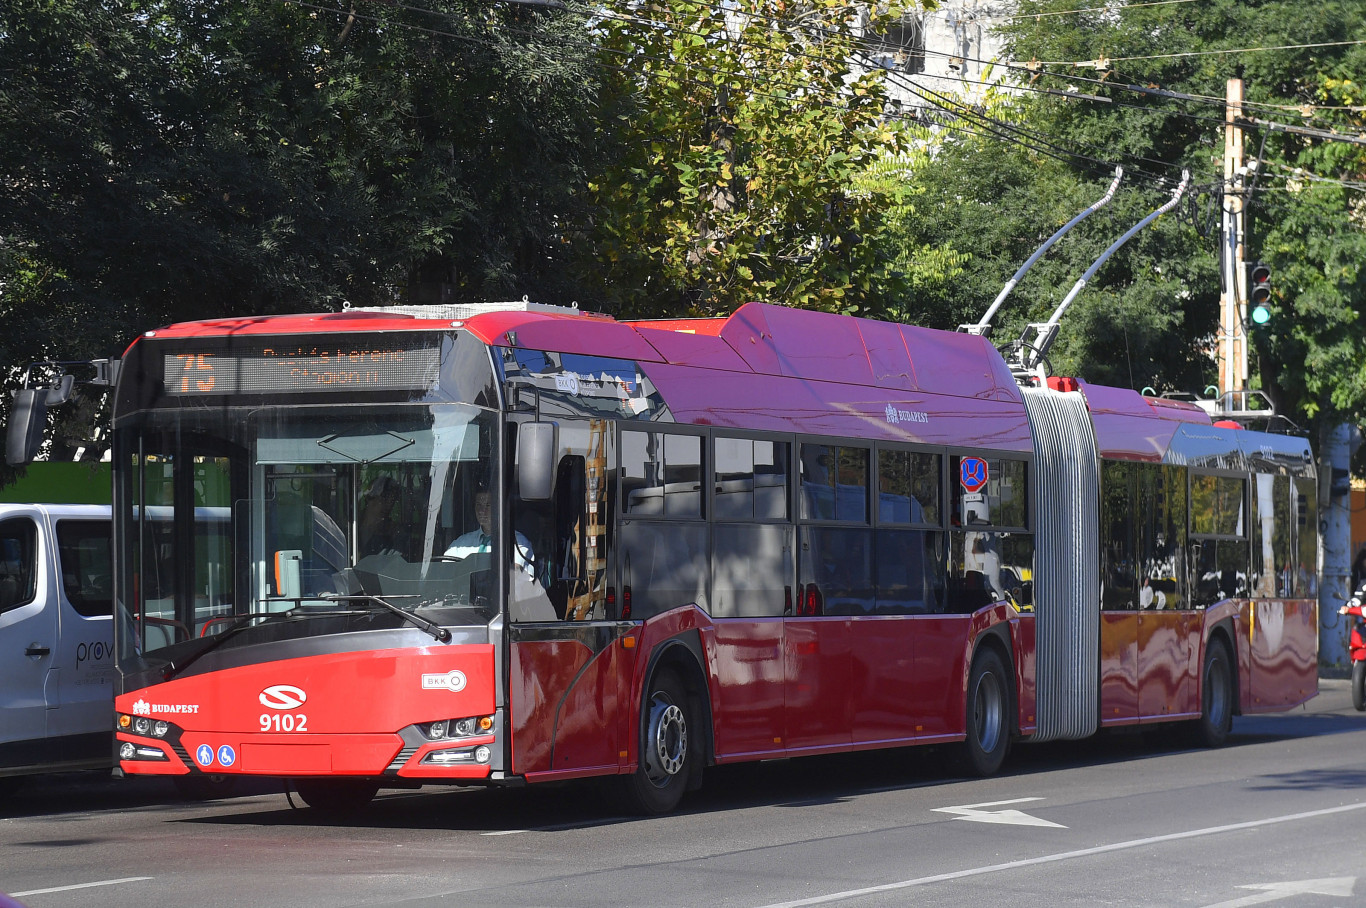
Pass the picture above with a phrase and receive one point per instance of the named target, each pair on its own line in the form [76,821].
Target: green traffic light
[1261,315]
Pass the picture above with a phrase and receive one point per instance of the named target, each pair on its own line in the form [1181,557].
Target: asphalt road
[1276,817]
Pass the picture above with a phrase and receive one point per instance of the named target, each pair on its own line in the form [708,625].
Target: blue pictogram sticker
[972,473]
[203,755]
[226,755]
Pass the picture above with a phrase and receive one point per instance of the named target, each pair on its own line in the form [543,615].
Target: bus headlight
[142,725]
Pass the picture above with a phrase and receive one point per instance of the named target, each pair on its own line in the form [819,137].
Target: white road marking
[1064,856]
[974,813]
[1335,887]
[127,879]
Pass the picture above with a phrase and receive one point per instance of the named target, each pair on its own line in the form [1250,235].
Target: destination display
[305,367]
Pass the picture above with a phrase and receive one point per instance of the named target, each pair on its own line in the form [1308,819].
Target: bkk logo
[282,696]
[453,681]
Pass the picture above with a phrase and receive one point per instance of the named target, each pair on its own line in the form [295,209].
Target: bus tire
[1359,686]
[988,714]
[336,795]
[1216,696]
[669,738]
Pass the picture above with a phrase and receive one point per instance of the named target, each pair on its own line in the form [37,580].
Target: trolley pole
[1232,348]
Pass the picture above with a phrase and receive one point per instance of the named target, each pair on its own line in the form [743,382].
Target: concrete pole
[1232,341]
[1335,521]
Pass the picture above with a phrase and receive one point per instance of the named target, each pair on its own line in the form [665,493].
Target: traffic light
[1259,292]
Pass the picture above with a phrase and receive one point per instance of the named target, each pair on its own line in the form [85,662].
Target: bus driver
[480,540]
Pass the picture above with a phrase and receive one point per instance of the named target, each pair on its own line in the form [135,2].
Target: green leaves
[755,139]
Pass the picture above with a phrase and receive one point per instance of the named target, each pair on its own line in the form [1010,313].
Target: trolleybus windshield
[324,520]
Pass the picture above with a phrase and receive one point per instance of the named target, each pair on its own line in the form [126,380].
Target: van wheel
[988,714]
[1216,696]
[668,748]
[336,795]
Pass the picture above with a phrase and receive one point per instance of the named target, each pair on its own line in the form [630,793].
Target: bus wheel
[988,718]
[336,795]
[667,748]
[1216,696]
[1359,686]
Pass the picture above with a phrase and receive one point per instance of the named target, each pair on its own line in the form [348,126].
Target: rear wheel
[988,714]
[668,747]
[1216,696]
[336,795]
[1359,686]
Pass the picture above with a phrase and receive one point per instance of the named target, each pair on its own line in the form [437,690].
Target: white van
[56,638]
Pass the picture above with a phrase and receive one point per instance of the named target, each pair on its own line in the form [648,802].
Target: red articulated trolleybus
[523,544]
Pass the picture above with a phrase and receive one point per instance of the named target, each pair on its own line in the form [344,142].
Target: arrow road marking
[975,814]
[1336,887]
[1011,866]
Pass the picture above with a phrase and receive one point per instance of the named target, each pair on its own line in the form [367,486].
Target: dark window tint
[751,570]
[910,572]
[987,567]
[834,482]
[1307,538]
[836,571]
[87,566]
[1119,585]
[18,563]
[750,479]
[661,474]
[1160,519]
[908,487]
[664,565]
[1220,571]
[989,491]
[1217,505]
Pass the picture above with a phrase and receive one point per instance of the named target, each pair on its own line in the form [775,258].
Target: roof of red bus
[907,363]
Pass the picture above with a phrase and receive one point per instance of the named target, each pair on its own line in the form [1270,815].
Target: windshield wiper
[235,627]
[173,668]
[437,631]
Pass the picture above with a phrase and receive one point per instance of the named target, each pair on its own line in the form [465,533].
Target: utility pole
[1232,347]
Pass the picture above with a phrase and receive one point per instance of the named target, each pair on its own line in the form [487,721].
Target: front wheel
[668,747]
[336,795]
[988,714]
[1359,686]
[1216,696]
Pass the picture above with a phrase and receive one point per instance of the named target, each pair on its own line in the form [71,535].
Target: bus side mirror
[536,447]
[28,418]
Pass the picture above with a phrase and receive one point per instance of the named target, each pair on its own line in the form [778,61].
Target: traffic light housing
[1259,292]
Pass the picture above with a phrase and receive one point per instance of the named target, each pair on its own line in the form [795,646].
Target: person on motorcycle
[1356,643]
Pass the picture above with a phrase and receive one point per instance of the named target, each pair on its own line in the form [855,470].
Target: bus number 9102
[284,722]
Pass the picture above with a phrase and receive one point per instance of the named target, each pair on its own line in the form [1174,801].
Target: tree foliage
[1159,75]
[739,133]
[164,160]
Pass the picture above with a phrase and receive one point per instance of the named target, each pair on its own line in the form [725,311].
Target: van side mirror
[536,448]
